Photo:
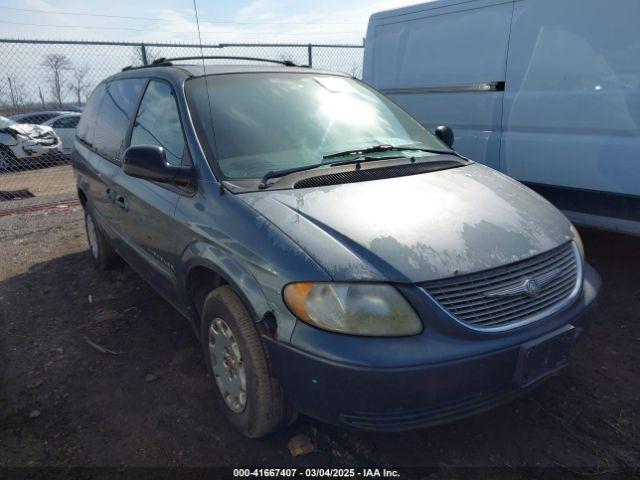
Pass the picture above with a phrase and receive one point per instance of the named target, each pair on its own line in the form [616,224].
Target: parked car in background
[546,91]
[333,256]
[25,144]
[65,127]
[38,118]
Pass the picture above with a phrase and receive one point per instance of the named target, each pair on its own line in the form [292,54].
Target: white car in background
[65,128]
[22,144]
[39,117]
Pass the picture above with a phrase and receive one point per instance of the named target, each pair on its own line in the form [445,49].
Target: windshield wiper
[382,148]
[361,159]
[286,171]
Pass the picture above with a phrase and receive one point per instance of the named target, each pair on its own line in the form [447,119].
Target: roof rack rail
[137,67]
[167,61]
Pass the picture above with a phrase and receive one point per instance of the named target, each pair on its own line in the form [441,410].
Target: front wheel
[250,397]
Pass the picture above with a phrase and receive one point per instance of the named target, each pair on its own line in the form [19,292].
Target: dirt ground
[45,184]
[63,402]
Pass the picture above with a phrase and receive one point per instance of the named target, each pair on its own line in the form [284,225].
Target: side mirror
[445,134]
[149,162]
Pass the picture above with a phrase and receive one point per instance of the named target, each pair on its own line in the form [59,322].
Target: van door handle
[122,202]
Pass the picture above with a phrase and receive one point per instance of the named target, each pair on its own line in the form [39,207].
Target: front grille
[506,297]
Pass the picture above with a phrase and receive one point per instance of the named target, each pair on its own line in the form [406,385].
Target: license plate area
[544,356]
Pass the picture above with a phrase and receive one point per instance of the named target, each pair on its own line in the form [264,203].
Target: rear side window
[158,122]
[38,118]
[116,110]
[66,122]
[86,126]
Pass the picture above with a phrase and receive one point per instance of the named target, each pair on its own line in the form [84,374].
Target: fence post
[143,51]
[310,55]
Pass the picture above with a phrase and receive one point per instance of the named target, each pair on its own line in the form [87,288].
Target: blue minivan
[333,256]
[546,91]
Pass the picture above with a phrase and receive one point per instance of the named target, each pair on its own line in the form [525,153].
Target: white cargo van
[547,91]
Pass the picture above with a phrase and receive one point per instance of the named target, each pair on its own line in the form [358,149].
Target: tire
[265,408]
[103,255]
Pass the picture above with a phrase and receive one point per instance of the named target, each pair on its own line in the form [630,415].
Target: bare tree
[17,97]
[79,85]
[139,54]
[44,106]
[21,97]
[355,70]
[57,65]
[285,57]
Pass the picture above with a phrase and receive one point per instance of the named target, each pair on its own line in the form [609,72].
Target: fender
[216,259]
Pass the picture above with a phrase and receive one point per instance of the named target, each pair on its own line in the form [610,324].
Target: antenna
[206,85]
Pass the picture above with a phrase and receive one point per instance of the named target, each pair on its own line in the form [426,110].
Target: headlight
[357,309]
[29,145]
[578,240]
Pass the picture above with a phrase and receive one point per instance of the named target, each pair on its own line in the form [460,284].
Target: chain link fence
[45,83]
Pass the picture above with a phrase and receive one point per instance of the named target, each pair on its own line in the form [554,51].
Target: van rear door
[444,62]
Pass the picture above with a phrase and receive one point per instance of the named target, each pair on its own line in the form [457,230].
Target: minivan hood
[416,228]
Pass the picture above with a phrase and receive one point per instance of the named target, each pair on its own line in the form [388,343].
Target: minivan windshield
[258,122]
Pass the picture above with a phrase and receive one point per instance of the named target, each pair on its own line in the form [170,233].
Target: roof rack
[168,61]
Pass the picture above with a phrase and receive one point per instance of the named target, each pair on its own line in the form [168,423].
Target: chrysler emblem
[529,286]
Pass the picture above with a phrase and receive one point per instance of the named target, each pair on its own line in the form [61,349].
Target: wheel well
[82,197]
[201,281]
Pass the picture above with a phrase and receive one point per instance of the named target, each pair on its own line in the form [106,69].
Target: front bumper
[402,383]
[36,150]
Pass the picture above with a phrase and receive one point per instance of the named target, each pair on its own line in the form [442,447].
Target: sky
[316,21]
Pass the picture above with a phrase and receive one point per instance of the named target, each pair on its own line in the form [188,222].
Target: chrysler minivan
[334,257]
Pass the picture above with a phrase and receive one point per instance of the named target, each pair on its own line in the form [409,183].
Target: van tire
[265,408]
[103,255]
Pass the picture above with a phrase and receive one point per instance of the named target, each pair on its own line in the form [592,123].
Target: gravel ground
[45,184]
[63,402]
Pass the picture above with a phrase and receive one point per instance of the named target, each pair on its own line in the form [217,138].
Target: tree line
[62,78]
[65,83]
